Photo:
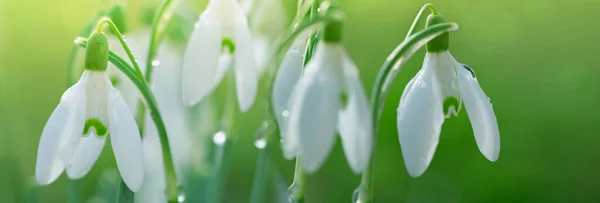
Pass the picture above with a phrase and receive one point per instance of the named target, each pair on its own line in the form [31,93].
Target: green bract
[96,53]
[442,42]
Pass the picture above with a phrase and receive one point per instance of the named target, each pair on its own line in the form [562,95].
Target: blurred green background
[536,59]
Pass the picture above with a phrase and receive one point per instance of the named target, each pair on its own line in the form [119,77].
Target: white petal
[201,60]
[420,119]
[355,123]
[314,110]
[153,189]
[288,75]
[61,134]
[481,114]
[246,75]
[126,142]
[87,152]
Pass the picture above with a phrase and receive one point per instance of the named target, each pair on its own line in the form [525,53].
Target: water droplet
[219,138]
[355,195]
[260,143]
[156,63]
[181,197]
[285,113]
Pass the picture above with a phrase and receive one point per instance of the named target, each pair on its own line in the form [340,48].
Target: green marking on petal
[97,125]
[115,81]
[344,99]
[228,43]
[450,102]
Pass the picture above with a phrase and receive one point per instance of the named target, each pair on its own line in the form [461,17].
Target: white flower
[434,94]
[329,96]
[77,129]
[267,20]
[222,30]
[288,75]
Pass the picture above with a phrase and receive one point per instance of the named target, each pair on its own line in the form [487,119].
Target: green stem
[417,20]
[171,191]
[386,75]
[298,188]
[124,195]
[263,172]
[116,31]
[159,25]
[75,191]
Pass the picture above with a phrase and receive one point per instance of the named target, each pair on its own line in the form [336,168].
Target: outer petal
[201,60]
[288,75]
[420,118]
[355,124]
[245,67]
[314,110]
[87,152]
[126,142]
[481,114]
[61,134]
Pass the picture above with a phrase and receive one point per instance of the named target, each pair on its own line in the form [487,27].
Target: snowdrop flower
[329,97]
[436,93]
[222,30]
[267,20]
[91,109]
[288,75]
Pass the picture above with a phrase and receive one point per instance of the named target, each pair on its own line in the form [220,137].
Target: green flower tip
[228,45]
[117,15]
[96,53]
[332,32]
[442,42]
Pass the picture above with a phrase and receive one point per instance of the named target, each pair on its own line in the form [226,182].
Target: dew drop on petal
[181,197]
[219,138]
[260,143]
[285,113]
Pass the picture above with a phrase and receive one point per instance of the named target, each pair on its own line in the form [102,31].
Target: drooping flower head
[88,112]
[221,32]
[329,98]
[435,94]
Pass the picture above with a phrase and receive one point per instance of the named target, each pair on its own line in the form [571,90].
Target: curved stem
[159,24]
[417,20]
[386,75]
[171,190]
[117,32]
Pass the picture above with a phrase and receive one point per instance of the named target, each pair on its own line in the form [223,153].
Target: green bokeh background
[536,59]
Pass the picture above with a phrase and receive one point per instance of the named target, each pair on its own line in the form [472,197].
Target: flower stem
[159,24]
[171,191]
[262,173]
[115,29]
[386,75]
[418,18]
[124,195]
[74,191]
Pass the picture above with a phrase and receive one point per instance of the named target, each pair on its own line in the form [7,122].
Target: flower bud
[442,42]
[96,53]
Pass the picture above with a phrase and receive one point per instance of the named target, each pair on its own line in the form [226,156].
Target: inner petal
[96,93]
